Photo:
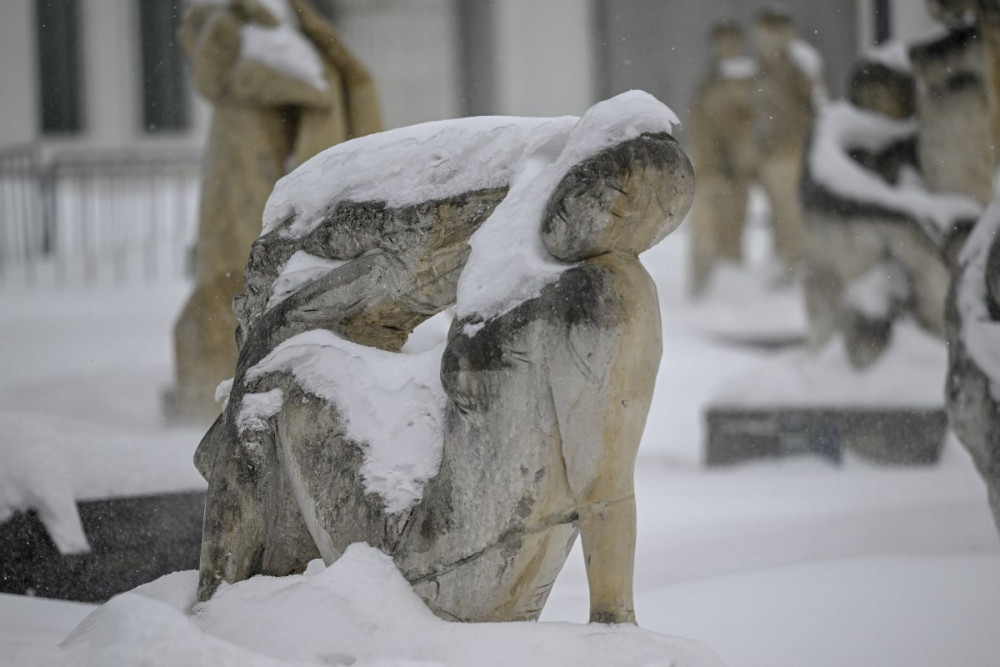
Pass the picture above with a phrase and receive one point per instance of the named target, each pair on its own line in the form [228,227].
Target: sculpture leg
[607,530]
[930,276]
[732,218]
[703,234]
[205,347]
[822,291]
[717,226]
[780,178]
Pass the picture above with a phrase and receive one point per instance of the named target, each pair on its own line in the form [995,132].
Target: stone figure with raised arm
[787,88]
[283,88]
[476,463]
[723,151]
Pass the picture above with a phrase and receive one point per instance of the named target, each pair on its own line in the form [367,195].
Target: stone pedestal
[891,436]
[133,540]
[800,402]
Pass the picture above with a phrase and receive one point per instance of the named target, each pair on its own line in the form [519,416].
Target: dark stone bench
[890,436]
[133,540]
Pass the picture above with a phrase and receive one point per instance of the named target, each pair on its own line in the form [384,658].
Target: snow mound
[47,463]
[34,476]
[910,373]
[359,611]
[842,127]
[392,405]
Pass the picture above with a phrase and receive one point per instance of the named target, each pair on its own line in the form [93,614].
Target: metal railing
[97,216]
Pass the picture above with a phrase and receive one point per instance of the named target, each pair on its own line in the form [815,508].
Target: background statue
[283,88]
[788,84]
[895,178]
[723,152]
[955,104]
[473,464]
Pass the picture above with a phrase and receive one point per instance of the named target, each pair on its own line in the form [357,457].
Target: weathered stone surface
[544,404]
[722,145]
[133,541]
[264,120]
[973,387]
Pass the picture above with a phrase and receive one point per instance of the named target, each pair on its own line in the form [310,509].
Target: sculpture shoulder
[603,291]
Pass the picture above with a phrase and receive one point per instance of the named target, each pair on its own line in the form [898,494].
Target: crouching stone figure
[475,464]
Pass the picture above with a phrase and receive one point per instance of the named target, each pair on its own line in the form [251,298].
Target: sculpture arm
[602,384]
[211,38]
[363,116]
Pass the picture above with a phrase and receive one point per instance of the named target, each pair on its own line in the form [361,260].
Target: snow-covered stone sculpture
[973,389]
[473,464]
[283,88]
[722,148]
[879,238]
[788,87]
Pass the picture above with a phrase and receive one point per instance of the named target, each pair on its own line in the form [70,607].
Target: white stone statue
[474,464]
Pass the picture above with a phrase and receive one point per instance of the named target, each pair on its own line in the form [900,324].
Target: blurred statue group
[750,123]
[880,201]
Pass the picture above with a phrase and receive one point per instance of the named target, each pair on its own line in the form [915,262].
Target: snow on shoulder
[509,264]
[359,611]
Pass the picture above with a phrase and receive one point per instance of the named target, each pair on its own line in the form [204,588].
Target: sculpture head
[590,213]
[774,30]
[726,40]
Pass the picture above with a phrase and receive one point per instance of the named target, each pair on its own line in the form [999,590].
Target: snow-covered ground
[792,563]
